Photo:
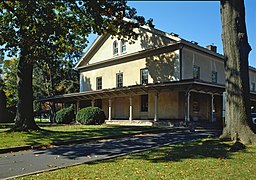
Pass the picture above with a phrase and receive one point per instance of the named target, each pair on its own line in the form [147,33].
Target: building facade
[159,76]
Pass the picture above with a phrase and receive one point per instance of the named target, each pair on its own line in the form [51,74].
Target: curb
[85,140]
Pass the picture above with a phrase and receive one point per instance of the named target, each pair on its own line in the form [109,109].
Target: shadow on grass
[183,144]
[52,134]
[204,148]
[4,126]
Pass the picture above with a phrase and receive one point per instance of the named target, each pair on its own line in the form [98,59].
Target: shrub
[91,116]
[7,116]
[65,115]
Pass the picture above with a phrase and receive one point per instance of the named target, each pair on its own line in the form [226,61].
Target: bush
[91,116]
[65,115]
[7,116]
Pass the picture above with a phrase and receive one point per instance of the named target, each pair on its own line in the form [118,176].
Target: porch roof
[174,86]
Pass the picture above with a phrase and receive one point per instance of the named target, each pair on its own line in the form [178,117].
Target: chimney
[174,34]
[212,48]
[194,42]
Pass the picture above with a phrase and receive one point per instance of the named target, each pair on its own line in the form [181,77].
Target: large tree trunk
[25,116]
[236,50]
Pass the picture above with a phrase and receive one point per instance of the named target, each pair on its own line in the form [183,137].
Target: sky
[195,21]
[198,21]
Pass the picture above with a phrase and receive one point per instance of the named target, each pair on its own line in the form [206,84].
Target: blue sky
[195,21]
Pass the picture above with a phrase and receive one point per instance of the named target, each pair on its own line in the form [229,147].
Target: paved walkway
[34,161]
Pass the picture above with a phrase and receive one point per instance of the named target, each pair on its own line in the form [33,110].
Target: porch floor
[167,123]
[130,122]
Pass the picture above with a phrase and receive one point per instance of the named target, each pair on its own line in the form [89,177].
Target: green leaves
[10,81]
[41,33]
[53,28]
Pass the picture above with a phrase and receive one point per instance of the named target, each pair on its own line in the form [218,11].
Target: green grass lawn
[201,159]
[56,133]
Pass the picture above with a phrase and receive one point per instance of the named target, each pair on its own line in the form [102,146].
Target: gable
[102,49]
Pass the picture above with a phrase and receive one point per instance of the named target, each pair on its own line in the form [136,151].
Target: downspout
[181,64]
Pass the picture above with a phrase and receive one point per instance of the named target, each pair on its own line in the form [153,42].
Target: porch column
[156,107]
[109,109]
[77,106]
[53,111]
[130,117]
[187,104]
[92,103]
[212,107]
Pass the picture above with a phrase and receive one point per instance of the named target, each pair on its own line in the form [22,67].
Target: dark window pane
[98,103]
[99,83]
[119,80]
[214,76]
[196,105]
[144,103]
[252,86]
[196,72]
[115,47]
[123,46]
[144,76]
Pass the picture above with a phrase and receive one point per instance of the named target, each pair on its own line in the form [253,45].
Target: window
[119,80]
[115,48]
[98,103]
[214,76]
[144,76]
[81,83]
[99,83]
[196,72]
[252,86]
[144,103]
[196,105]
[123,46]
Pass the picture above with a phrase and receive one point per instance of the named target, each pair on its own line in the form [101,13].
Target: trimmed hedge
[91,116]
[65,115]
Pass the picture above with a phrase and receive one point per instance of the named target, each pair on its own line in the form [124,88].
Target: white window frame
[115,47]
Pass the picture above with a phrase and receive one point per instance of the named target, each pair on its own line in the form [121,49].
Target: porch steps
[146,123]
[165,123]
[130,123]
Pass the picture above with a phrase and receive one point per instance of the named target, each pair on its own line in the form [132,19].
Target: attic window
[123,46]
[115,47]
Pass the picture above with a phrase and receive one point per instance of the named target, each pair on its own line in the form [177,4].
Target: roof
[171,36]
[176,86]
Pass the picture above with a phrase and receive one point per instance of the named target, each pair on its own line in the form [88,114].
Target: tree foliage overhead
[43,31]
[61,27]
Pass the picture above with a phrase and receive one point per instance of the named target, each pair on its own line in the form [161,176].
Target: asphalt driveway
[34,161]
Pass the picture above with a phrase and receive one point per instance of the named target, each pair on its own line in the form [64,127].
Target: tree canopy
[39,32]
[10,81]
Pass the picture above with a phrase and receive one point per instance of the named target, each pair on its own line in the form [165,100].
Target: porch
[184,100]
